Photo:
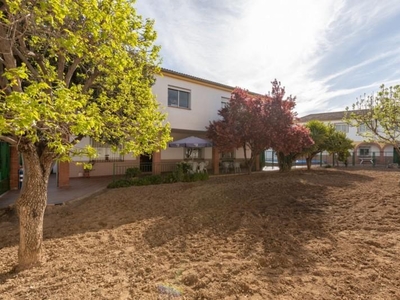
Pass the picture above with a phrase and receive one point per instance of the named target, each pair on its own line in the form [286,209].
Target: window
[105,153]
[364,151]
[363,128]
[342,127]
[224,102]
[192,153]
[178,98]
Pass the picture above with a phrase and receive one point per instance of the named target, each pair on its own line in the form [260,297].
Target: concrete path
[79,188]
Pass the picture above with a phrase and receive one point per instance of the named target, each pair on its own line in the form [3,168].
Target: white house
[364,151]
[190,103]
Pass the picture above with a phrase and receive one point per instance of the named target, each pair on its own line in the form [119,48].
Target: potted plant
[87,167]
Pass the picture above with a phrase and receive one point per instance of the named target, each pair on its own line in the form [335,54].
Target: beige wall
[205,102]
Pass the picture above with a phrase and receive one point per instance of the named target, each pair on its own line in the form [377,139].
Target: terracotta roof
[201,80]
[329,116]
[194,78]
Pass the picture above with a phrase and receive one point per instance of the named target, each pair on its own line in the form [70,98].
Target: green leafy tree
[338,144]
[380,114]
[319,134]
[71,69]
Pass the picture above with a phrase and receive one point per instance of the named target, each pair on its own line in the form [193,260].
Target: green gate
[4,167]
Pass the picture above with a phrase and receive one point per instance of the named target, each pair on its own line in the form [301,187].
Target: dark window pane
[184,99]
[172,97]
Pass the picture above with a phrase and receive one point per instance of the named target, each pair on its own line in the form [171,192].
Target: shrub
[147,180]
[179,174]
[119,183]
[132,172]
[195,177]
[182,171]
[169,178]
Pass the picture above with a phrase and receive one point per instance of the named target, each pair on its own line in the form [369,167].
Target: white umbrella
[191,142]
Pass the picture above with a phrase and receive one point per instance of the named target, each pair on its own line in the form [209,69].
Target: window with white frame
[224,102]
[193,153]
[364,151]
[342,127]
[363,128]
[178,97]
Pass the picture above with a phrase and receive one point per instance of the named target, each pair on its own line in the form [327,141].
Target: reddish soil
[324,234]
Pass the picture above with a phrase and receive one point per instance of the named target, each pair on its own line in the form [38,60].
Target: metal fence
[119,169]
[375,158]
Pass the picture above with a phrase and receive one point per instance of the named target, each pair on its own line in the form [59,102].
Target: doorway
[146,162]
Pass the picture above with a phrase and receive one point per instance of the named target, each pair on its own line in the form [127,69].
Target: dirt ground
[324,234]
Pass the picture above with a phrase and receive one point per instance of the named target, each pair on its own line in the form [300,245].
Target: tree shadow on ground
[270,216]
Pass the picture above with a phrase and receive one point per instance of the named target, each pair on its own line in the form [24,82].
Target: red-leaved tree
[289,139]
[244,124]
[257,123]
[293,140]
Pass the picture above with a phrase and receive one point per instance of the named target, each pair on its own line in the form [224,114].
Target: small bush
[195,177]
[170,178]
[179,174]
[328,166]
[132,172]
[148,180]
[119,183]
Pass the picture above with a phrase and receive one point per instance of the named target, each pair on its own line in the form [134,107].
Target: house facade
[190,104]
[364,152]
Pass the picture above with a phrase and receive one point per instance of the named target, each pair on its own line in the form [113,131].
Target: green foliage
[195,177]
[180,174]
[119,183]
[380,114]
[181,170]
[147,180]
[73,69]
[338,143]
[170,178]
[132,172]
[343,157]
[67,81]
[319,134]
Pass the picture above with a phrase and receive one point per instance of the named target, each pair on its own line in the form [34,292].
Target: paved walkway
[79,188]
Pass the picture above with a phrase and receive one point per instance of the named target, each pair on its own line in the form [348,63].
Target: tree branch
[90,80]
[71,70]
[8,139]
[60,66]
[28,64]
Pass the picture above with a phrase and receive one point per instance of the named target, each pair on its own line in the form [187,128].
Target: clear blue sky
[325,52]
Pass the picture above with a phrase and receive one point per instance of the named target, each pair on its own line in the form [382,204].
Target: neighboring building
[364,151]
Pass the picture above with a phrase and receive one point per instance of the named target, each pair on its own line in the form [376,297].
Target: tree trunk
[285,162]
[31,206]
[309,160]
[248,162]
